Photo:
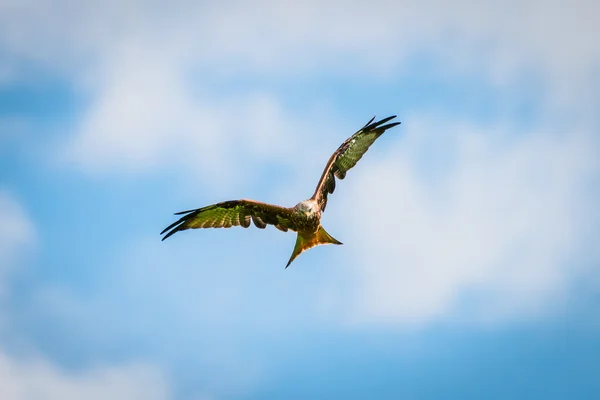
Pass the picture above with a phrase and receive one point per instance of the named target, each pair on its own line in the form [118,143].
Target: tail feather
[306,241]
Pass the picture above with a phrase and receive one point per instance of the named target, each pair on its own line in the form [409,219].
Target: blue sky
[470,260]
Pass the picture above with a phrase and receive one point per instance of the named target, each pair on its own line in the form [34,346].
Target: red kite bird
[305,217]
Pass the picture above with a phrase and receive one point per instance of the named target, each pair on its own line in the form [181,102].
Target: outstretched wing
[347,155]
[233,213]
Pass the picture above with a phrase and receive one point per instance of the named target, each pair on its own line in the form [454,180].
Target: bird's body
[304,217]
[307,215]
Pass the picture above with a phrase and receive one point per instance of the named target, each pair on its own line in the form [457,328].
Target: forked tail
[306,241]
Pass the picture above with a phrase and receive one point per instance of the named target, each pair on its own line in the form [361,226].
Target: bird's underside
[305,217]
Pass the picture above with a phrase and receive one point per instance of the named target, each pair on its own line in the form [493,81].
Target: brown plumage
[305,217]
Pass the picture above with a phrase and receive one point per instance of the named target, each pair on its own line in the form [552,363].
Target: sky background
[470,264]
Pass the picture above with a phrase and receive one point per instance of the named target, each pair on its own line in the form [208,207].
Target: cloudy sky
[470,265]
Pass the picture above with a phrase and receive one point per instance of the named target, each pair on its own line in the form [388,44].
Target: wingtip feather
[378,124]
[185,212]
[169,234]
[368,123]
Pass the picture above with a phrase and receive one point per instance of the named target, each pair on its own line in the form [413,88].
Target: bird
[305,217]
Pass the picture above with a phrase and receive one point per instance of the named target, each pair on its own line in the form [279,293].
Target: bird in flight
[304,217]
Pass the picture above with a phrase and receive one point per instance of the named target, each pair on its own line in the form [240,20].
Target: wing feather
[233,213]
[347,155]
[260,224]
[282,228]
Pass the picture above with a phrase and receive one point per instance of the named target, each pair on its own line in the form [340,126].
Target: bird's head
[307,207]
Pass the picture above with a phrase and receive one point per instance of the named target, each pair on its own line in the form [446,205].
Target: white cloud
[491,232]
[38,379]
[136,60]
[552,35]
[145,116]
[149,120]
